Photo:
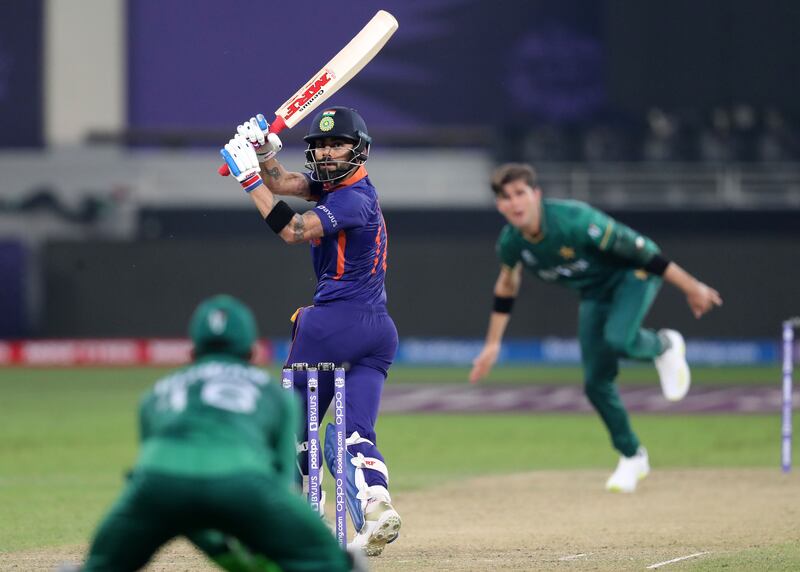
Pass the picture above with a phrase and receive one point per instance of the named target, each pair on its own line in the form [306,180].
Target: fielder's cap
[338,121]
[223,325]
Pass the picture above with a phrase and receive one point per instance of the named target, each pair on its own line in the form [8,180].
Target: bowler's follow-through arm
[506,289]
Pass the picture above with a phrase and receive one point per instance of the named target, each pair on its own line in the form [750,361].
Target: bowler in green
[617,273]
[217,465]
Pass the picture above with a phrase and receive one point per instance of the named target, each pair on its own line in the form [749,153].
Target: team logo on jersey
[640,273]
[567,252]
[528,257]
[594,231]
[326,123]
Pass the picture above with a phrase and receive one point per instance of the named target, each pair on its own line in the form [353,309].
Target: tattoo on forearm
[299,227]
[274,173]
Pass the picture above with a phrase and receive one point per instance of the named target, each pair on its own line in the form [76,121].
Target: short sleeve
[145,421]
[609,235]
[342,210]
[314,187]
[507,251]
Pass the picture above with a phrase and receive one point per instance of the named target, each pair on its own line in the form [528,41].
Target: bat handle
[276,126]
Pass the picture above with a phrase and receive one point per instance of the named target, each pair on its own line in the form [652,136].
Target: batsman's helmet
[341,123]
[223,325]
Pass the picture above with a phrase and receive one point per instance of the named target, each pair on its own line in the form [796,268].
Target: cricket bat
[347,63]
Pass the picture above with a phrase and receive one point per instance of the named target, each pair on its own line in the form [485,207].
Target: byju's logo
[329,214]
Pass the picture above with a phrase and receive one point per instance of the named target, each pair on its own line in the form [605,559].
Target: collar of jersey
[542,226]
[360,173]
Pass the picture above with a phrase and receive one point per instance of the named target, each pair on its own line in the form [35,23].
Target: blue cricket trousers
[363,339]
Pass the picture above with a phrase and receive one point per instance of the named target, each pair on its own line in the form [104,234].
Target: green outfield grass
[630,373]
[67,436]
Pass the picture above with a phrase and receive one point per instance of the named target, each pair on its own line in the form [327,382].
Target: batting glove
[257,132]
[242,161]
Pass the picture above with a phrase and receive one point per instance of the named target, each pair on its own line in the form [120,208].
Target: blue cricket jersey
[350,259]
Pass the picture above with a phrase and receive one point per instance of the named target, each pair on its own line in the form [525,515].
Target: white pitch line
[575,556]
[660,564]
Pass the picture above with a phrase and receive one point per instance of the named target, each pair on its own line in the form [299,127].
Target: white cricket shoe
[381,523]
[630,470]
[673,371]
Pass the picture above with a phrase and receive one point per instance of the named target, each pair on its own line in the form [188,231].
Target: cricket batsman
[617,274]
[348,322]
[216,465]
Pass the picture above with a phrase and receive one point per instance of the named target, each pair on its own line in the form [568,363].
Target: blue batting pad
[353,504]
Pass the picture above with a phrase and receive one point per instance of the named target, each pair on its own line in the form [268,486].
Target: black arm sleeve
[280,215]
[503,304]
[657,265]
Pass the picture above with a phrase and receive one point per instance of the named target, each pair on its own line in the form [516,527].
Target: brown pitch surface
[557,520]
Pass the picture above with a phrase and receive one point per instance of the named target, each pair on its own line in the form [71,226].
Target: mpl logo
[338,381]
[311,92]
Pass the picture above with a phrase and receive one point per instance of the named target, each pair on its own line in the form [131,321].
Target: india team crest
[326,123]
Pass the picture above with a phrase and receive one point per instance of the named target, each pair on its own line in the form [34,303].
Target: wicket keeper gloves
[242,162]
[257,132]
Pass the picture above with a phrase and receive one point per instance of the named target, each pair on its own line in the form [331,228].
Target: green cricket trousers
[271,523]
[611,329]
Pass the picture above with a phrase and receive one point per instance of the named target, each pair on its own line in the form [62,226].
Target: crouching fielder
[348,323]
[216,465]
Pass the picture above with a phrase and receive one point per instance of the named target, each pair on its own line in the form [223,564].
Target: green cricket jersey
[579,246]
[218,416]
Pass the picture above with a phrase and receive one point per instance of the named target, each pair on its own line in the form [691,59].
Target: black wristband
[280,215]
[503,304]
[657,265]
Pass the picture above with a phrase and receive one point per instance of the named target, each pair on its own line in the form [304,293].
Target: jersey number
[235,397]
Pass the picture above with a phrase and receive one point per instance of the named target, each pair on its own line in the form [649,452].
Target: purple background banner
[202,64]
[21,74]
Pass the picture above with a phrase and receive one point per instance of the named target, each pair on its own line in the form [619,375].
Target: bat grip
[276,126]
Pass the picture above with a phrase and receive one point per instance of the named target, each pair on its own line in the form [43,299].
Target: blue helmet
[340,123]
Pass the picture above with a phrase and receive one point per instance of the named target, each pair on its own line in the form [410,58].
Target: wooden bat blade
[336,73]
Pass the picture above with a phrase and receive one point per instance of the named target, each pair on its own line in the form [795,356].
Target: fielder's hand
[256,131]
[242,161]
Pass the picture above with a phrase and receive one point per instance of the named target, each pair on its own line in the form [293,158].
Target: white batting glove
[242,161]
[257,132]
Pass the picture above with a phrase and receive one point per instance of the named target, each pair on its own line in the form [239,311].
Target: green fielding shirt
[579,246]
[218,416]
